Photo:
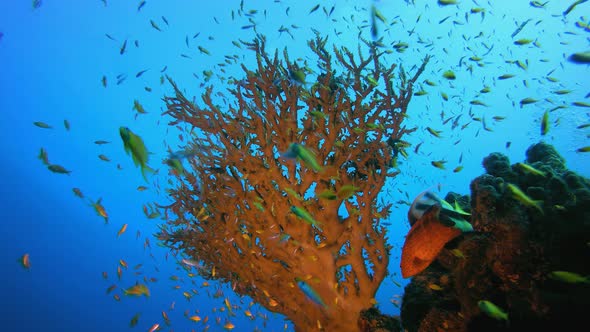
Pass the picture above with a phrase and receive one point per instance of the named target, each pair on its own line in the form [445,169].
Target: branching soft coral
[234,211]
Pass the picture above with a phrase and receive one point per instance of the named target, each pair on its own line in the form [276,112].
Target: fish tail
[288,155]
[148,169]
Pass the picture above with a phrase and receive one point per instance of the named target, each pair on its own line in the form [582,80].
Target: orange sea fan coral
[253,216]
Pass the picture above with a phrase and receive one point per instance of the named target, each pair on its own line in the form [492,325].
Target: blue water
[52,60]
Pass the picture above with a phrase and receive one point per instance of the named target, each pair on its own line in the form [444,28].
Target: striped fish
[450,215]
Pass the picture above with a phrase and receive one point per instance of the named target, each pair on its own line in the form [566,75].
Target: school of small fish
[459,107]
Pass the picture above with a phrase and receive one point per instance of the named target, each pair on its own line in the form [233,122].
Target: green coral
[547,155]
[497,164]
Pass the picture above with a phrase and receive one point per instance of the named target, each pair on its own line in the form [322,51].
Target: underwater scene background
[500,77]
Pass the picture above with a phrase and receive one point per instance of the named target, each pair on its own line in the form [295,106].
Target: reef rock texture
[509,258]
[372,320]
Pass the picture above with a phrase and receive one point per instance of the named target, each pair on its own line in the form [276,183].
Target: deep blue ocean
[52,62]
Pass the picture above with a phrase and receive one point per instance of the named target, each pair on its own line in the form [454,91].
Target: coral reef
[272,172]
[513,254]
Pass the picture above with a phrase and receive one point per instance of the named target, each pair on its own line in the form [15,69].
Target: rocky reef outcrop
[521,238]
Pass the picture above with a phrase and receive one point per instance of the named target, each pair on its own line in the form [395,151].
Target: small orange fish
[100,210]
[434,287]
[122,230]
[195,318]
[165,316]
[26,263]
[154,327]
[123,263]
[138,290]
[111,288]
[228,305]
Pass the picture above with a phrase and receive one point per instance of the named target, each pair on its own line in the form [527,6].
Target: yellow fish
[122,230]
[134,145]
[523,198]
[137,290]
[26,263]
[305,216]
[530,169]
[492,310]
[138,107]
[298,151]
[434,287]
[569,277]
[100,210]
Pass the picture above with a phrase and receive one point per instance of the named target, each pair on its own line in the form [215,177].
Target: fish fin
[458,223]
[149,169]
[460,210]
[293,151]
[446,205]
[462,225]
